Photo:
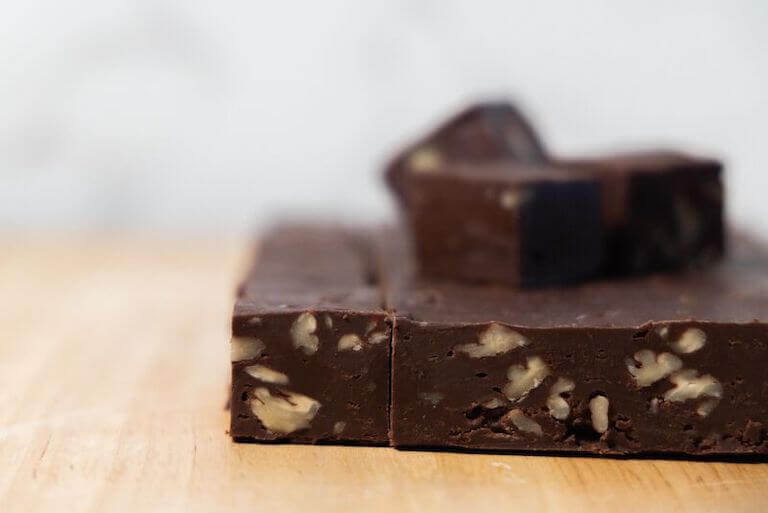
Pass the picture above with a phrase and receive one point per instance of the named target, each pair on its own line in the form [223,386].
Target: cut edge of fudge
[663,209]
[663,385]
[311,342]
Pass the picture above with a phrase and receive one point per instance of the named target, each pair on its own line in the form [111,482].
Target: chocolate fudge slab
[482,132]
[310,342]
[658,365]
[663,210]
[502,222]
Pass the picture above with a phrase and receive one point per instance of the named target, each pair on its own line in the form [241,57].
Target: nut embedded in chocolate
[245,348]
[690,341]
[557,404]
[302,333]
[651,368]
[523,379]
[285,412]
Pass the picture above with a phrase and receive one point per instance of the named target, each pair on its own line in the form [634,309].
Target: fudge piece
[502,222]
[664,364]
[310,342]
[663,210]
[485,131]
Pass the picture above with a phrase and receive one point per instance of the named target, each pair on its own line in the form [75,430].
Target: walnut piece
[510,199]
[652,368]
[493,403]
[558,406]
[495,340]
[377,337]
[706,407]
[523,423]
[598,409]
[425,160]
[283,414]
[524,379]
[690,341]
[350,342]
[266,374]
[339,427]
[302,333]
[689,385]
[353,342]
[653,406]
[328,321]
[245,348]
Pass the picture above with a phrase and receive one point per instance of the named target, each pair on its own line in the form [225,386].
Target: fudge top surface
[733,291]
[428,163]
[300,268]
[507,171]
[651,161]
[310,267]
[496,118]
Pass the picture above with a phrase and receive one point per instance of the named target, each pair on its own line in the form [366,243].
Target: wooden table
[113,378]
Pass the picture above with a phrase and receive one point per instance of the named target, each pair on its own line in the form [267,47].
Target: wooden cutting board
[113,378]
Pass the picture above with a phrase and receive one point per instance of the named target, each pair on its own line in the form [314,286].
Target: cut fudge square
[310,342]
[666,364]
[502,222]
[663,210]
[482,132]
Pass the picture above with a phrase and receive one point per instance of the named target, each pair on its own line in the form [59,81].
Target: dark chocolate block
[483,132]
[663,210]
[311,343]
[523,226]
[662,364]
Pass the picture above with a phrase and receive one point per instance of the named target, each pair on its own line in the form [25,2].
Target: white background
[213,116]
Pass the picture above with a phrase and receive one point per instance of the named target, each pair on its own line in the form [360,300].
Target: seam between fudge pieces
[393,327]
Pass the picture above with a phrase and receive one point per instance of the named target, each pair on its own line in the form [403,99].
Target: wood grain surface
[113,378]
